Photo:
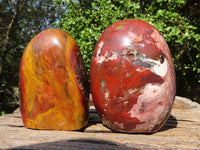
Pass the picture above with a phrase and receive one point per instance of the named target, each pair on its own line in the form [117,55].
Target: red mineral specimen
[132,77]
[54,88]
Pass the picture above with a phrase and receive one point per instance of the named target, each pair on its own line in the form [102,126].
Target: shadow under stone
[170,123]
[84,144]
[94,119]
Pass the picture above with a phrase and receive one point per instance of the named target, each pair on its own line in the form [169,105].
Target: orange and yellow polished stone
[54,88]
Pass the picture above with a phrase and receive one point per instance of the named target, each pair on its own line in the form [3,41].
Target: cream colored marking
[62,123]
[113,57]
[106,94]
[158,68]
[131,91]
[135,37]
[100,59]
[106,58]
[100,47]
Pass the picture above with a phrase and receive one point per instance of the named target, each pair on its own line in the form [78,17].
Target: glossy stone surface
[54,88]
[132,77]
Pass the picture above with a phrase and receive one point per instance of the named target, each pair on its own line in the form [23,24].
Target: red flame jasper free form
[54,88]
[132,77]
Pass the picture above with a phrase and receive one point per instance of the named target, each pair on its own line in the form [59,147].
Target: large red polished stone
[132,77]
[54,88]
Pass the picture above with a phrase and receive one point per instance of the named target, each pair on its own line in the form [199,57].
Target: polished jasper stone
[54,88]
[132,77]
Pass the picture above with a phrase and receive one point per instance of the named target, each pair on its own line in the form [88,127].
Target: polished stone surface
[54,88]
[132,77]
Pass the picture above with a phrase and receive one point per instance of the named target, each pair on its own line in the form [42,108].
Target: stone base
[181,131]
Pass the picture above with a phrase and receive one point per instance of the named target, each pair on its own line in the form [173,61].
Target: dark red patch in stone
[81,74]
[151,78]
